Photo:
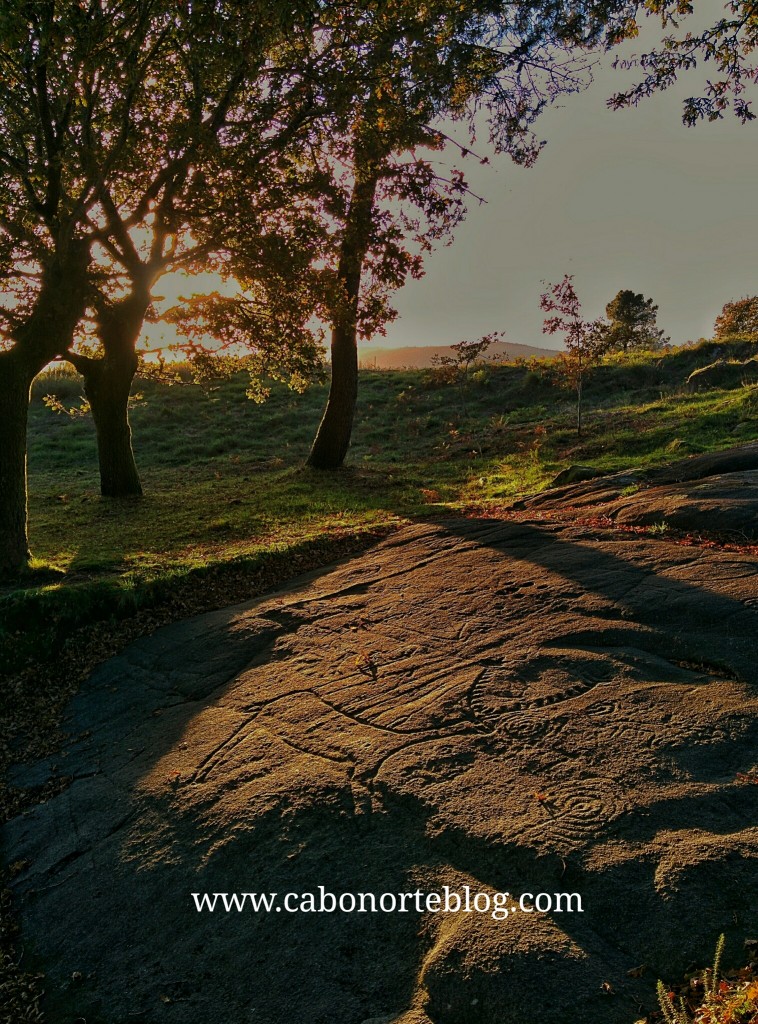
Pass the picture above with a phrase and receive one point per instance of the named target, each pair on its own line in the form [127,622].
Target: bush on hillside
[738,319]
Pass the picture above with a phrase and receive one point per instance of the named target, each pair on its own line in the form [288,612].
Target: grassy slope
[225,483]
[223,475]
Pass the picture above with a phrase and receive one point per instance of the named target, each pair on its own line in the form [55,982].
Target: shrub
[738,318]
[712,999]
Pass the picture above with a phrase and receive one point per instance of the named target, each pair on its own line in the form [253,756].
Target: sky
[620,199]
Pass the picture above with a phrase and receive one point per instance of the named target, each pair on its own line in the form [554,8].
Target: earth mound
[713,494]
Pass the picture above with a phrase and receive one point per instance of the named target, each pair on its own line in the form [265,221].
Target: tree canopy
[739,317]
[632,323]
[728,45]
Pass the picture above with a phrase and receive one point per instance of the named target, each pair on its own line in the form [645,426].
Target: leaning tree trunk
[39,338]
[15,381]
[333,436]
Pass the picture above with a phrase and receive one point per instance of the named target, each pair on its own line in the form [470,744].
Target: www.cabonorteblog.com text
[446,901]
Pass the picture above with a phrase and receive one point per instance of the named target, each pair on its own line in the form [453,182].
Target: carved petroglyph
[514,706]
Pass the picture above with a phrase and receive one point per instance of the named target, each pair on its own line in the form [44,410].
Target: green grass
[224,476]
[225,484]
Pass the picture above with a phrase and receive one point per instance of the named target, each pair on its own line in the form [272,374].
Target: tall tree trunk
[333,436]
[107,385]
[15,381]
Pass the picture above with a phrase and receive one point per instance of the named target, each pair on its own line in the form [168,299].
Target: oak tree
[239,106]
[417,68]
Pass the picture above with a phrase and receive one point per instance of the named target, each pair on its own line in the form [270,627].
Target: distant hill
[420,356]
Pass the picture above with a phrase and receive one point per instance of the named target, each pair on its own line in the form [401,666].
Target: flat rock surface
[512,707]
